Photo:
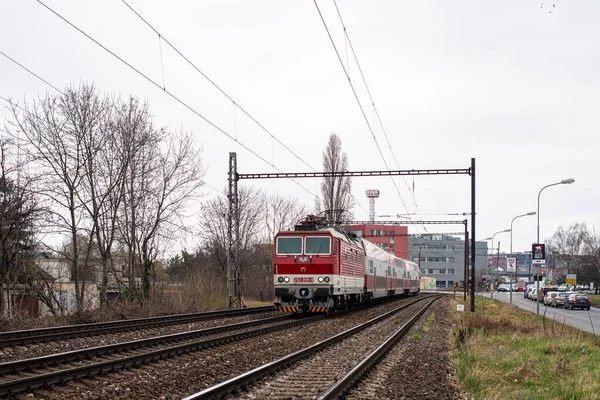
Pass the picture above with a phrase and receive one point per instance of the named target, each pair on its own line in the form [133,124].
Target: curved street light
[511,252]
[563,182]
[506,230]
[511,226]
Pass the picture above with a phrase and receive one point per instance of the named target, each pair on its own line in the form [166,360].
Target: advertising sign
[538,253]
[511,264]
[571,279]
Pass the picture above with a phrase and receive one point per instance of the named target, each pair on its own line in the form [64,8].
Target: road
[580,319]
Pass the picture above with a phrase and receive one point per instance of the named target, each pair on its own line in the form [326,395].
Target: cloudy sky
[514,84]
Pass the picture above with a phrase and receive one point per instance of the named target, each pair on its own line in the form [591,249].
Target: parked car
[560,299]
[577,300]
[533,294]
[548,298]
[503,287]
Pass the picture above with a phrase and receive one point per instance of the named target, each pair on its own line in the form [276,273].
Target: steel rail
[342,386]
[29,336]
[99,351]
[224,388]
[36,381]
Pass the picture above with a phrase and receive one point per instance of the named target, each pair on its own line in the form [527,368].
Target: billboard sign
[571,279]
[511,264]
[538,253]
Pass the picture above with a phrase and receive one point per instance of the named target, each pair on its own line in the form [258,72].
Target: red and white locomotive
[321,269]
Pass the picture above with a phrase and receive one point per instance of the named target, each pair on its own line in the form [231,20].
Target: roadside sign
[538,253]
[511,264]
[571,279]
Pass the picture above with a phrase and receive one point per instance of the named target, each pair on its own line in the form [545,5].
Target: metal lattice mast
[234,290]
[372,195]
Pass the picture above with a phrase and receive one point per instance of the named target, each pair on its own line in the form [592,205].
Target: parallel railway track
[23,337]
[308,376]
[17,376]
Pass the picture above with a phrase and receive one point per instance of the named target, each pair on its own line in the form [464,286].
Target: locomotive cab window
[287,245]
[317,245]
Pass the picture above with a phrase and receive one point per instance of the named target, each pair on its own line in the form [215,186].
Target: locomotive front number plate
[308,279]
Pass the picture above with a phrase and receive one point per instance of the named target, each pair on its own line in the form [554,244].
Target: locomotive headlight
[326,279]
[320,279]
[286,279]
[280,279]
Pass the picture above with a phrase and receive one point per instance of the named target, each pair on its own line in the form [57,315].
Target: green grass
[507,353]
[424,329]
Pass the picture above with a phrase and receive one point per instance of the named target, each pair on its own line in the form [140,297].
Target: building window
[442,272]
[436,247]
[438,259]
[450,272]
[440,284]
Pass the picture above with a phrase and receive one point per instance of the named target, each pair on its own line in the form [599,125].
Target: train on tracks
[318,268]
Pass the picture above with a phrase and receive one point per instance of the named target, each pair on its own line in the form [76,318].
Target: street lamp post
[511,253]
[563,182]
[506,230]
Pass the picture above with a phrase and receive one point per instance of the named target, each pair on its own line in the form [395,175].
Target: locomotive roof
[337,233]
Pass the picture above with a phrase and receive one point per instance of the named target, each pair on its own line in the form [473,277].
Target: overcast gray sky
[512,83]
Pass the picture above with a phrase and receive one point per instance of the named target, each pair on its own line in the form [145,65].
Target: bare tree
[53,132]
[592,249]
[163,179]
[282,213]
[569,245]
[112,181]
[213,225]
[336,191]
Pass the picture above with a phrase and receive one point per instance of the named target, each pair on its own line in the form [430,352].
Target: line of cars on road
[554,297]
[514,287]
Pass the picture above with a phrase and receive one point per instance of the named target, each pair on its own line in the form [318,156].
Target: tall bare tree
[592,248]
[161,187]
[213,224]
[53,132]
[569,245]
[336,191]
[282,213]
[110,178]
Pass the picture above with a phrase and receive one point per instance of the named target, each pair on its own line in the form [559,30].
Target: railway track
[18,376]
[22,337]
[315,366]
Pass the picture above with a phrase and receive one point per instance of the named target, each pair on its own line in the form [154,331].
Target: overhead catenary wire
[31,72]
[359,102]
[58,90]
[173,96]
[375,111]
[274,138]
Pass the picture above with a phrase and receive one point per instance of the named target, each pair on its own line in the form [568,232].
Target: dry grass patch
[507,353]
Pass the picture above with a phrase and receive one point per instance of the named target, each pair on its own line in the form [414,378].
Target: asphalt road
[581,319]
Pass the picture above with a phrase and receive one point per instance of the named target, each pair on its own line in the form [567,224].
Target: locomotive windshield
[289,245]
[317,245]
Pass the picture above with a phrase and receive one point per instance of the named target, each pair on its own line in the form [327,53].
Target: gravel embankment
[182,376]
